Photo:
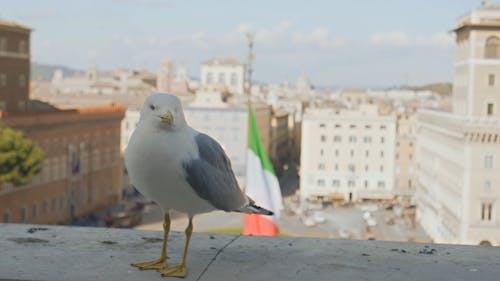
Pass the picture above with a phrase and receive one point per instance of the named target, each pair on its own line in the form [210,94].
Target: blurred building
[14,66]
[223,74]
[279,149]
[104,83]
[405,155]
[165,76]
[353,98]
[347,154]
[82,169]
[458,152]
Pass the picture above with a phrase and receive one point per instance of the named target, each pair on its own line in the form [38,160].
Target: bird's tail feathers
[251,208]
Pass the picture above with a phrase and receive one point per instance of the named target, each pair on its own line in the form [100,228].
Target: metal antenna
[250,57]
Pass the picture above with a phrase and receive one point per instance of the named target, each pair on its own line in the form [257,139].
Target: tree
[20,158]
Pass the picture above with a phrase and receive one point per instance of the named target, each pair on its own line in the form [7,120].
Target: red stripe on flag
[259,225]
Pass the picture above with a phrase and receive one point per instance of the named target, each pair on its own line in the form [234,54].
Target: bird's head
[164,111]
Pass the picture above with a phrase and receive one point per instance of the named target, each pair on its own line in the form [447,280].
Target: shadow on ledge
[31,252]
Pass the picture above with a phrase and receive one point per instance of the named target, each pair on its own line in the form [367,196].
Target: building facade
[225,74]
[81,171]
[405,155]
[458,172]
[347,154]
[14,66]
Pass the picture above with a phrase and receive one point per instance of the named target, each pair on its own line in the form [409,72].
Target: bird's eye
[152,107]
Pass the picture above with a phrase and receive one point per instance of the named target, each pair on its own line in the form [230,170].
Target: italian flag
[261,185]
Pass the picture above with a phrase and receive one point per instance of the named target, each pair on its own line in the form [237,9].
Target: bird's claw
[156,264]
[174,271]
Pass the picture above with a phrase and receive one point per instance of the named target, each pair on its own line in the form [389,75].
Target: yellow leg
[180,269]
[158,263]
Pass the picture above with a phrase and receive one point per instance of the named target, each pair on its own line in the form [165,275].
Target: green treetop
[20,158]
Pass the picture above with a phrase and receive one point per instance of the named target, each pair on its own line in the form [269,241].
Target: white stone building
[227,123]
[225,74]
[347,154]
[458,152]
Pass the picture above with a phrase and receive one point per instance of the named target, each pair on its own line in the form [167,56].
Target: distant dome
[303,83]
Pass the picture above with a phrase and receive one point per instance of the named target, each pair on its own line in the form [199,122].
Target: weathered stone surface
[75,253]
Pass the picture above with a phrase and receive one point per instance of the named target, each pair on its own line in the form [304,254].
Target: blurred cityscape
[409,163]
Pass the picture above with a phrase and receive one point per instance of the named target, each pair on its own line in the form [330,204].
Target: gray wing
[212,177]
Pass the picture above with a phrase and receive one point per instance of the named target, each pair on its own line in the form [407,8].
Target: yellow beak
[167,118]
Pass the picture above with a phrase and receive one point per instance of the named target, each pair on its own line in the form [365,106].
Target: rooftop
[223,61]
[75,253]
[10,24]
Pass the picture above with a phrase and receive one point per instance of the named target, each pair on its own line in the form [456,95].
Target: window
[45,207]
[382,127]
[410,156]
[351,168]
[381,184]
[351,183]
[336,183]
[486,211]
[322,125]
[338,126]
[367,139]
[366,184]
[23,214]
[487,186]
[352,153]
[53,207]
[367,153]
[3,44]
[22,81]
[323,138]
[321,182]
[6,218]
[382,139]
[209,78]
[491,79]
[368,126]
[234,79]
[492,48]
[222,78]
[352,139]
[381,154]
[352,126]
[397,156]
[321,166]
[366,168]
[3,79]
[336,167]
[488,161]
[336,152]
[337,138]
[22,47]
[381,168]
[322,152]
[489,109]
[34,211]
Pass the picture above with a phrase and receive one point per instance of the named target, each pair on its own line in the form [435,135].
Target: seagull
[180,169]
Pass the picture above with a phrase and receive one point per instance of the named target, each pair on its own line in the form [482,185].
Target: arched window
[492,48]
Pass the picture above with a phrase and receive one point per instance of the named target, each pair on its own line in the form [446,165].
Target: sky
[363,43]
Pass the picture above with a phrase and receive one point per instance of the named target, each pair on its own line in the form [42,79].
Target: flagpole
[248,92]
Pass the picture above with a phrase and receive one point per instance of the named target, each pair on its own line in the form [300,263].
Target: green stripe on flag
[255,142]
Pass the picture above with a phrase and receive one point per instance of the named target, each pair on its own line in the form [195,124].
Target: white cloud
[402,39]
[319,37]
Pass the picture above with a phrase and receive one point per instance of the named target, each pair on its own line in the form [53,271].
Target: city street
[340,222]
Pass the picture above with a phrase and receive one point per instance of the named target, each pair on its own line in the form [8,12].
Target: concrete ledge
[29,252]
